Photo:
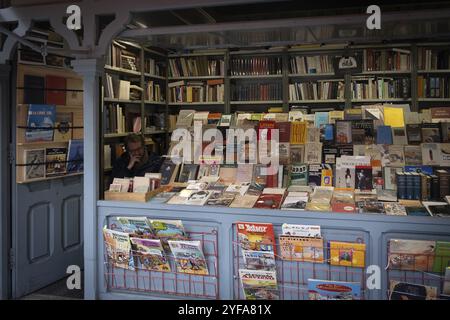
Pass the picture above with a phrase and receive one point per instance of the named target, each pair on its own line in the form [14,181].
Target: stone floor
[56,291]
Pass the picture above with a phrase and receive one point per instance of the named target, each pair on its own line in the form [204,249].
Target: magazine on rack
[256,236]
[259,284]
[150,254]
[118,249]
[189,257]
[136,226]
[415,255]
[259,260]
[333,290]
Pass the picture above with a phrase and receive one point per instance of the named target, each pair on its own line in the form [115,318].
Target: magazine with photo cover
[297,153]
[333,290]
[35,164]
[259,260]
[363,178]
[188,172]
[415,255]
[259,284]
[118,249]
[222,199]
[189,257]
[349,254]
[411,291]
[150,254]
[343,132]
[304,249]
[256,236]
[40,123]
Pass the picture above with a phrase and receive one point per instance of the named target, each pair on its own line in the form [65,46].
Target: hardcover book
[63,127]
[333,290]
[411,291]
[431,133]
[256,236]
[362,132]
[431,154]
[415,255]
[413,155]
[298,174]
[259,260]
[414,133]
[118,249]
[347,254]
[188,172]
[75,156]
[55,159]
[189,257]
[363,178]
[259,284]
[55,90]
[35,164]
[40,123]
[303,249]
[297,153]
[399,136]
[34,89]
[150,254]
[168,172]
[384,135]
[343,132]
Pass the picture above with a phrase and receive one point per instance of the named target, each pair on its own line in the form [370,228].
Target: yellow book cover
[188,94]
[257,116]
[296,248]
[348,254]
[298,132]
[327,178]
[335,115]
[394,117]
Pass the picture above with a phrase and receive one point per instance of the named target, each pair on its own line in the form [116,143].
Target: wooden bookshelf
[257,102]
[196,78]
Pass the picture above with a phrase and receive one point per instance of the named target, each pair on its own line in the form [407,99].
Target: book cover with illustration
[63,127]
[301,230]
[40,122]
[75,156]
[349,254]
[333,290]
[256,236]
[415,255]
[168,230]
[298,174]
[411,291]
[259,260]
[189,257]
[259,284]
[137,227]
[35,160]
[269,201]
[150,254]
[55,160]
[118,249]
[294,248]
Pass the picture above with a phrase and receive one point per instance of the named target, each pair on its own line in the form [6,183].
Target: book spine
[417,186]
[435,188]
[409,186]
[401,185]
[444,185]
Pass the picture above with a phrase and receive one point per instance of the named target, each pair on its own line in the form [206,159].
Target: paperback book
[150,254]
[189,257]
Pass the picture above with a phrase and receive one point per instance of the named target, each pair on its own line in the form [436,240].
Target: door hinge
[11,259]
[11,154]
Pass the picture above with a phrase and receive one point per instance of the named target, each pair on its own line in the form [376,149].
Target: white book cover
[301,230]
[141,184]
[124,182]
[431,154]
[274,190]
[238,188]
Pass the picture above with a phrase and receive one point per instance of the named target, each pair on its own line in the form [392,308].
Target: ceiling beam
[356,19]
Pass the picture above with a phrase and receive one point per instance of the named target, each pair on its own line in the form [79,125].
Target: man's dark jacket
[120,169]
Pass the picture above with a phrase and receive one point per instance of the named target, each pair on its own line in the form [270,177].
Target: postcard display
[306,250]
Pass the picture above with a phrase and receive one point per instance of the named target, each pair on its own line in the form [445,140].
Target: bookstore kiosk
[145,86]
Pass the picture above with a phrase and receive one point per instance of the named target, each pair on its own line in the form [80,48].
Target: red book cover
[265,124]
[269,201]
[55,90]
[284,131]
[256,236]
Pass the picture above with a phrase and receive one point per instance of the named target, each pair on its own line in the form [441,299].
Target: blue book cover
[329,133]
[384,135]
[419,169]
[40,122]
[75,156]
[320,119]
[333,290]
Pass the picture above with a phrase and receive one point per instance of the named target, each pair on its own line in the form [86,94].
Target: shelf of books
[49,123]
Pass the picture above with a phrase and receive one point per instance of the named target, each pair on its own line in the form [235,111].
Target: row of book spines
[419,186]
[429,59]
[256,66]
[182,67]
[316,91]
[384,60]
[381,88]
[433,87]
[268,91]
[118,121]
[311,64]
[197,93]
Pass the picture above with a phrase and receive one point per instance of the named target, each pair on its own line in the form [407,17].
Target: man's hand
[133,161]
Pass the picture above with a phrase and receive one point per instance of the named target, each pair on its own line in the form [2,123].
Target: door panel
[47,231]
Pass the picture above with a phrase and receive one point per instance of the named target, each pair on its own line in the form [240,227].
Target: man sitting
[136,161]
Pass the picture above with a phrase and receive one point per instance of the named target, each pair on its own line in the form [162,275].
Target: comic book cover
[136,226]
[259,260]
[189,257]
[347,254]
[256,236]
[411,291]
[301,230]
[118,249]
[333,290]
[150,254]
[168,230]
[259,284]
[301,249]
[411,254]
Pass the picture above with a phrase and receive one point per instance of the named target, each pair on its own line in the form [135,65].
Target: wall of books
[49,117]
